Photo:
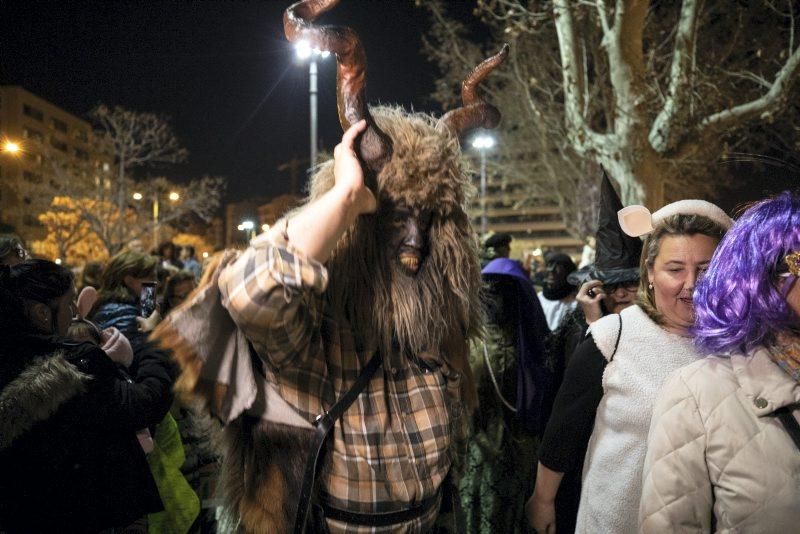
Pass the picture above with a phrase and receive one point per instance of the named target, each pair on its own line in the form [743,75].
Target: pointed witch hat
[617,257]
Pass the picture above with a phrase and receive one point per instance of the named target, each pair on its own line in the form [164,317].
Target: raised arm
[316,228]
[273,290]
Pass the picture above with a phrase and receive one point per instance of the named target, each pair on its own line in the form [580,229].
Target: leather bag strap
[324,423]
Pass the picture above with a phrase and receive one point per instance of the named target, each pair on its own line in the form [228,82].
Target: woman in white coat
[724,446]
[604,404]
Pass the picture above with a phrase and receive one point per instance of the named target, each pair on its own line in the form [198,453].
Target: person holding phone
[127,295]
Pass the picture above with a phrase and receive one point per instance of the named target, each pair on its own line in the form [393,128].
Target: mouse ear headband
[637,220]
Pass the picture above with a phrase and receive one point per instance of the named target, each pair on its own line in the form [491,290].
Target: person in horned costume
[336,346]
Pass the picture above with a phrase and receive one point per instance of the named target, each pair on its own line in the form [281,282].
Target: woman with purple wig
[723,450]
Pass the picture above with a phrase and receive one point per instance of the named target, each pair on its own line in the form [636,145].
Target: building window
[59,125]
[30,220]
[33,157]
[81,154]
[29,133]
[32,177]
[81,135]
[32,112]
[58,145]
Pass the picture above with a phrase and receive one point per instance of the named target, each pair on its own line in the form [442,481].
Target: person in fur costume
[377,273]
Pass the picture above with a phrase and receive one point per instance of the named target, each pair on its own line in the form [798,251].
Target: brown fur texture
[439,308]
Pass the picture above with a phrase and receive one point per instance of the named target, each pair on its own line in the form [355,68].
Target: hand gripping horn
[375,147]
[475,112]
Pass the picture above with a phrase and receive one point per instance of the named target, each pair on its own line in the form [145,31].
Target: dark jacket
[69,457]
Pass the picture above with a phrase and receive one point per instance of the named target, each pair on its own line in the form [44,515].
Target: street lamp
[248,227]
[10,147]
[483,142]
[304,52]
[173,197]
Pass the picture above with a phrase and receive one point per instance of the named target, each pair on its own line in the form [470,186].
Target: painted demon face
[408,230]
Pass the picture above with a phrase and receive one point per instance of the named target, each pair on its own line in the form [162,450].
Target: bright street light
[483,142]
[248,227]
[264,227]
[11,147]
[173,196]
[137,196]
[304,51]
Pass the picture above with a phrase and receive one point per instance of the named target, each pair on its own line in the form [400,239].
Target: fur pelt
[262,475]
[36,394]
[439,309]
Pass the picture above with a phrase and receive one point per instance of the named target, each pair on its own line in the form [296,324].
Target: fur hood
[36,394]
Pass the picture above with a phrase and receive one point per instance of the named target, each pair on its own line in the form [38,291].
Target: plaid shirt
[390,448]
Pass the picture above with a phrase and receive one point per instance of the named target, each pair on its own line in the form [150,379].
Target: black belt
[382,519]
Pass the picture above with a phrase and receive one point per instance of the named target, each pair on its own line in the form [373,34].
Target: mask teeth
[411,263]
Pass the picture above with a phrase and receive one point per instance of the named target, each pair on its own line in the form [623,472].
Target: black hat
[617,256]
[497,240]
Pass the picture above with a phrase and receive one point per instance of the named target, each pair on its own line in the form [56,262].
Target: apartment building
[36,138]
[534,221]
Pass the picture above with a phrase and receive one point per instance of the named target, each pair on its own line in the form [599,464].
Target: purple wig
[737,303]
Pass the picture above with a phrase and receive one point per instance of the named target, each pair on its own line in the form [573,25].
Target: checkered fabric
[390,449]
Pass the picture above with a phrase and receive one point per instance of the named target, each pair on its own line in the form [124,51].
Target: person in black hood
[69,456]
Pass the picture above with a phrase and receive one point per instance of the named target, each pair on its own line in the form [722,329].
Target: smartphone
[147,299]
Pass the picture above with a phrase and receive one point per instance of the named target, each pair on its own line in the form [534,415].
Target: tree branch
[763,107]
[579,132]
[672,121]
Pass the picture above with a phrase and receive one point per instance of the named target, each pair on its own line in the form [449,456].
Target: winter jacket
[69,457]
[718,459]
[121,315]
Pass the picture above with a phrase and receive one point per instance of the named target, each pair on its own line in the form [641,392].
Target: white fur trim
[634,219]
[605,332]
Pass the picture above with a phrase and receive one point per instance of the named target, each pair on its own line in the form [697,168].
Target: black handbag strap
[790,424]
[324,423]
[616,343]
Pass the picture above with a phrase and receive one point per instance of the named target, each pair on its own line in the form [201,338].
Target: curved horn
[475,112]
[375,147]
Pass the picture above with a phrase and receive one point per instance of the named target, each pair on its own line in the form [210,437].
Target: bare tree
[136,140]
[655,93]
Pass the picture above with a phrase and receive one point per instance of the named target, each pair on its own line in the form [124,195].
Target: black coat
[69,457]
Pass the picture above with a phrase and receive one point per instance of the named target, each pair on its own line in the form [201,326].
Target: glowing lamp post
[249,227]
[483,143]
[173,196]
[305,52]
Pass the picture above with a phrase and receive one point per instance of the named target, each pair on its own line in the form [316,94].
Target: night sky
[229,80]
[223,72]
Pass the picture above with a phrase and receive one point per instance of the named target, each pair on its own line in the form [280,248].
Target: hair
[32,280]
[9,245]
[82,330]
[164,246]
[675,225]
[439,309]
[738,304]
[92,274]
[189,250]
[169,288]
[125,263]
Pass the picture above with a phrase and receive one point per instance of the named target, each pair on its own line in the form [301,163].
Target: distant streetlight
[265,228]
[483,142]
[173,197]
[12,148]
[304,52]
[248,227]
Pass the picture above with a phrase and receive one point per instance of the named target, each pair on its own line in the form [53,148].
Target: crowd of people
[366,371]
